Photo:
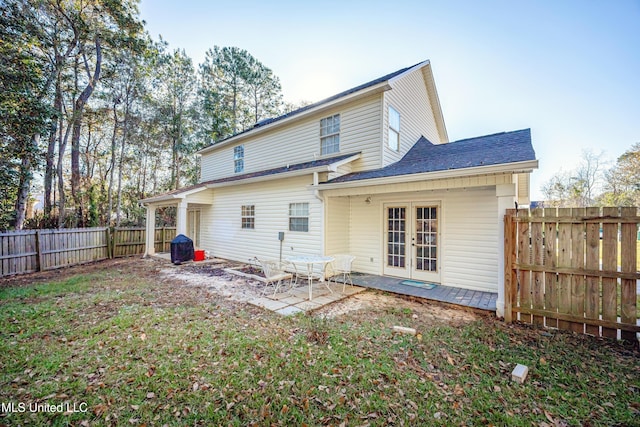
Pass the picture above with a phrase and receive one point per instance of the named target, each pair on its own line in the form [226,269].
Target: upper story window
[238,159]
[394,129]
[330,135]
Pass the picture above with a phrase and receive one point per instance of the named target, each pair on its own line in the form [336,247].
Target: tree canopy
[95,114]
[591,183]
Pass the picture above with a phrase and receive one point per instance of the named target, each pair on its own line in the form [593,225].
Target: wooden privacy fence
[573,269]
[131,241]
[37,250]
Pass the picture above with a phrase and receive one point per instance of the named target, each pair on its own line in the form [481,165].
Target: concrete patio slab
[296,300]
[290,310]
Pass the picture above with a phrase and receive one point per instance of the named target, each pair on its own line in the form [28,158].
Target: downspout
[316,192]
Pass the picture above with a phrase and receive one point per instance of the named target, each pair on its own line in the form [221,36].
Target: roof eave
[434,100]
[171,197]
[331,167]
[515,167]
[372,90]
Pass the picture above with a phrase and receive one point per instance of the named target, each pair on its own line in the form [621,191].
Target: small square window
[298,216]
[238,159]
[248,216]
[330,135]
[394,129]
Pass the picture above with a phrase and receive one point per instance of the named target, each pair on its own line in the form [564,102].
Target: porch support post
[150,244]
[181,219]
[506,194]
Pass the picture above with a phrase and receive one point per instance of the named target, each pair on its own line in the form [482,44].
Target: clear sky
[567,69]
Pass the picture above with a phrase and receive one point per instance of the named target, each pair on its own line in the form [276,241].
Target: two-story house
[369,172]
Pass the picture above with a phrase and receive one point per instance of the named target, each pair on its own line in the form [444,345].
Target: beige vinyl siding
[470,238]
[524,185]
[204,197]
[469,234]
[298,142]
[222,232]
[366,234]
[337,235]
[410,98]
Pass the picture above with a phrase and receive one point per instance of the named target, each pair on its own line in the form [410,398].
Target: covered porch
[446,233]
[192,204]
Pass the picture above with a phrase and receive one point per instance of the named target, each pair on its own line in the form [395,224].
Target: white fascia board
[282,175]
[410,70]
[379,88]
[333,167]
[516,167]
[171,197]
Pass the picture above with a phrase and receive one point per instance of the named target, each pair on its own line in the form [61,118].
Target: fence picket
[564,261]
[628,289]
[592,297]
[551,291]
[537,250]
[577,263]
[609,263]
[524,257]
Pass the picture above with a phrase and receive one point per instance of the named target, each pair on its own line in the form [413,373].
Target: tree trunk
[50,156]
[112,165]
[25,184]
[125,131]
[77,124]
[62,198]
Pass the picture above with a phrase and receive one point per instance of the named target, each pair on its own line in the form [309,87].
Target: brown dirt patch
[372,302]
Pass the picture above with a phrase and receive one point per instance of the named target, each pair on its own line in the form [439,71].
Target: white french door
[412,241]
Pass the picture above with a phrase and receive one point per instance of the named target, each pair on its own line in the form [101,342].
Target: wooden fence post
[38,252]
[509,262]
[628,255]
[109,236]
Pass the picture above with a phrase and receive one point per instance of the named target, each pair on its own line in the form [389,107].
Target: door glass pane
[396,247]
[426,241]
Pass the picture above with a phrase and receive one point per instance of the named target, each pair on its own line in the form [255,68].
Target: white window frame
[330,135]
[238,159]
[393,140]
[248,217]
[299,217]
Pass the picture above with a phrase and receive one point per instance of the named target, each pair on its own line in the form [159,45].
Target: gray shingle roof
[496,149]
[259,174]
[290,168]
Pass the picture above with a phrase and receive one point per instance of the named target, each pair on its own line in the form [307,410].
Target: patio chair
[340,267]
[275,273]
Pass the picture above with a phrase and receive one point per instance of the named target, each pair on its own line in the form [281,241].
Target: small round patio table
[310,261]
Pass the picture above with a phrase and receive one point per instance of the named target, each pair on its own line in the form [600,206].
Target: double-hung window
[394,129]
[248,215]
[298,216]
[330,135]
[238,159]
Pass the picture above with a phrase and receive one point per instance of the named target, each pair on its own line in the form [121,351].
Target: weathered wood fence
[38,250]
[131,241]
[573,269]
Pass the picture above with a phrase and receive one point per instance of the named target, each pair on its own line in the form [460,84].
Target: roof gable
[424,156]
[317,105]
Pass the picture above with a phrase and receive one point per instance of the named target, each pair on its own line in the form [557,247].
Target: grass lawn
[130,347]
